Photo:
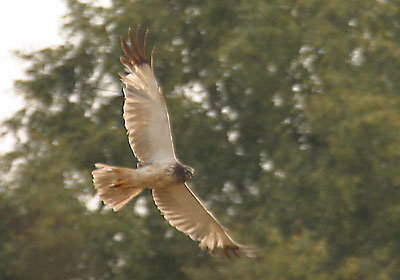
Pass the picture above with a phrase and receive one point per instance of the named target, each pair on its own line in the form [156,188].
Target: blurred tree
[288,111]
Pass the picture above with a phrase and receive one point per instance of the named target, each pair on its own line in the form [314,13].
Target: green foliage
[288,111]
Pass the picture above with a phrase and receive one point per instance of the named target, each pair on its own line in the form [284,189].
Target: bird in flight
[147,122]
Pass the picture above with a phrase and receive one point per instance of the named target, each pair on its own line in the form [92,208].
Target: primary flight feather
[147,122]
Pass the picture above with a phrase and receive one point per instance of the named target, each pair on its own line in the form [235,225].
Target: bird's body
[110,179]
[147,122]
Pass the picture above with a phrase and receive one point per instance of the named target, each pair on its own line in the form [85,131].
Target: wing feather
[145,113]
[184,211]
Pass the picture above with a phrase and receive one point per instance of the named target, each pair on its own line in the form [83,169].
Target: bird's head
[182,172]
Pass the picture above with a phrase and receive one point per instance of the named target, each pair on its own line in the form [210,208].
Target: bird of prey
[147,122]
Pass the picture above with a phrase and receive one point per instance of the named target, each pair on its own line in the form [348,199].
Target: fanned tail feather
[114,185]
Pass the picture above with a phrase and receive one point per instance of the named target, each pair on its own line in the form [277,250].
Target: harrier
[147,122]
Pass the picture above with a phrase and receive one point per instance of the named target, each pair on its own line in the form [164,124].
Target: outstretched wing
[145,113]
[183,210]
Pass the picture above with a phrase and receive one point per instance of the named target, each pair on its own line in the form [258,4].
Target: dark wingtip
[232,252]
[153,51]
[136,53]
[228,252]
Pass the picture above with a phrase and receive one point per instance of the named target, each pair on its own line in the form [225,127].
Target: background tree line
[289,111]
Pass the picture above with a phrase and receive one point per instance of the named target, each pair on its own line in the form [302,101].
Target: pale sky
[24,25]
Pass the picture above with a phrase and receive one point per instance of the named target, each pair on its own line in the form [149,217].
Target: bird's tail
[115,185]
